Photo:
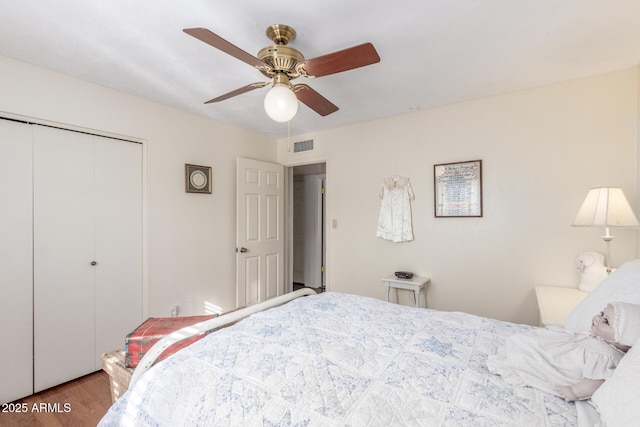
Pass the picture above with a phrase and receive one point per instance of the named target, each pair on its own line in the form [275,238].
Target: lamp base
[607,239]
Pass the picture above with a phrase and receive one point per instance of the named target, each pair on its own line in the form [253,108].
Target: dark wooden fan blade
[343,60]
[314,100]
[218,42]
[239,91]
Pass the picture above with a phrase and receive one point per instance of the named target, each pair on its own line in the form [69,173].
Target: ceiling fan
[282,63]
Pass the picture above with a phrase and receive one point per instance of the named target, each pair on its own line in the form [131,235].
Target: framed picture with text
[458,189]
[197,179]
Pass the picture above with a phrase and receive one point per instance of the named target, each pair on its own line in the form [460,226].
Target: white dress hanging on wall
[394,222]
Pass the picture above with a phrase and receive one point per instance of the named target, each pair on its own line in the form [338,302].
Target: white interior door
[259,231]
[313,274]
[299,221]
[16,262]
[64,296]
[308,230]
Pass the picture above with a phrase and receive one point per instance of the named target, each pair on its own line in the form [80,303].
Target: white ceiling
[433,52]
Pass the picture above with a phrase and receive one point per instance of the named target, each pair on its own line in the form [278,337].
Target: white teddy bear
[592,269]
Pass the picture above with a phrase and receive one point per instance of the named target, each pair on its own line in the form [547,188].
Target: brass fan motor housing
[280,57]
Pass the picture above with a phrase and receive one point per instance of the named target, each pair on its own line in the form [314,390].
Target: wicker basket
[119,376]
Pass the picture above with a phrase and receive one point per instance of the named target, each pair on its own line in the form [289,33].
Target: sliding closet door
[64,292]
[16,278]
[87,250]
[118,234]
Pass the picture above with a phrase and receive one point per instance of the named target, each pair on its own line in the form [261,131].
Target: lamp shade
[281,103]
[606,207]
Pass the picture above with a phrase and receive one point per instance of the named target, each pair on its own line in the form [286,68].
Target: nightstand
[416,284]
[556,302]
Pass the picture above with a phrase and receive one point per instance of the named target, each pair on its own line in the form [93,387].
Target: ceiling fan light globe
[281,103]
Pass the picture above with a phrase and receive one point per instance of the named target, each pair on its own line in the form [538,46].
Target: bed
[341,359]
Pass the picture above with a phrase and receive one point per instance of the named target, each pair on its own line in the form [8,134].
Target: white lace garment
[394,222]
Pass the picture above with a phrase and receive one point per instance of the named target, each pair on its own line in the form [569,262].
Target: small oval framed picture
[197,179]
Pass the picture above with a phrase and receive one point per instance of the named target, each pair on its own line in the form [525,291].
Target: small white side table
[416,284]
[556,302]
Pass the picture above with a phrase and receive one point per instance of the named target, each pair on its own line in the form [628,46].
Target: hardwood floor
[82,402]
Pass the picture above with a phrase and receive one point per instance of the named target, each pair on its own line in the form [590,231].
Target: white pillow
[617,399]
[622,285]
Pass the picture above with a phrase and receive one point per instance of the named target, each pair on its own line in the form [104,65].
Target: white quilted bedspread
[337,359]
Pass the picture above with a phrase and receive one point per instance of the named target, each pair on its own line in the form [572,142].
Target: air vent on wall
[303,145]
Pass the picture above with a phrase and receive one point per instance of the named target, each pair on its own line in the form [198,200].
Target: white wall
[190,258]
[542,149]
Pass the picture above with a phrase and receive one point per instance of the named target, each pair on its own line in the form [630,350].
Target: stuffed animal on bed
[592,270]
[569,365]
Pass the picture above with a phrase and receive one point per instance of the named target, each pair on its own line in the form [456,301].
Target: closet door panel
[64,297]
[16,262]
[118,233]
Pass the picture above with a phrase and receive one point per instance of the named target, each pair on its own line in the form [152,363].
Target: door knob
[242,250]
[94,263]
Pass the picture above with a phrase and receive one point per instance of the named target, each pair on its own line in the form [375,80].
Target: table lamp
[606,207]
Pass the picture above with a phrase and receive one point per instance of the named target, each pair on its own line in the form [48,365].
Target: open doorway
[308,237]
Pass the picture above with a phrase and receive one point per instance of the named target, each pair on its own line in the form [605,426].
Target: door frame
[288,243]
